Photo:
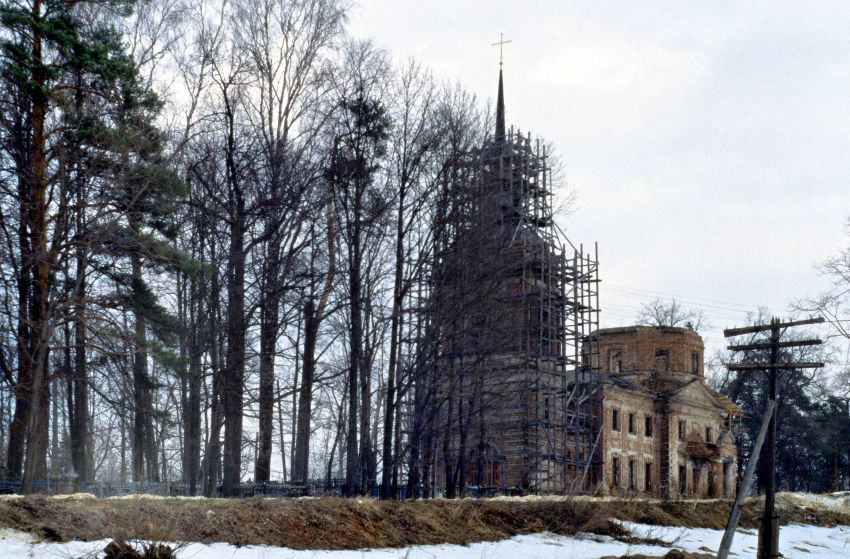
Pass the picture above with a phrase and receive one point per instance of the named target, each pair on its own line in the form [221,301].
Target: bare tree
[833,303]
[285,42]
[672,314]
[360,132]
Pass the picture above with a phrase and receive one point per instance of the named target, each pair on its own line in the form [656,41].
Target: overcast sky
[708,142]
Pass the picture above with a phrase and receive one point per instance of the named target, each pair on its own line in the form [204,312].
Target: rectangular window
[632,427]
[683,480]
[647,477]
[708,437]
[616,362]
[615,420]
[632,468]
[695,362]
[615,470]
[647,426]
[681,430]
[661,359]
[546,408]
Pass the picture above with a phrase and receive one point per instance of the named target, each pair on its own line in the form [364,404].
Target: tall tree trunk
[280,430]
[78,412]
[300,465]
[233,384]
[35,465]
[23,386]
[140,381]
[79,423]
[352,457]
[213,454]
[296,379]
[395,332]
[340,425]
[269,324]
[185,318]
[197,342]
[54,414]
[312,321]
[414,462]
[365,449]
[448,461]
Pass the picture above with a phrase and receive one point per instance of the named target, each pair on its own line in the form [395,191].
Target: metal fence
[167,489]
[64,486]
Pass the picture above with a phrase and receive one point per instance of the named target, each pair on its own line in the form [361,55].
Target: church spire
[500,110]
[500,102]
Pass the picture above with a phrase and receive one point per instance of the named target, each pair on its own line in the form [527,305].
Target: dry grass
[362,523]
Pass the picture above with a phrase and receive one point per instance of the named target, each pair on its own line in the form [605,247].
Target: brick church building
[664,431]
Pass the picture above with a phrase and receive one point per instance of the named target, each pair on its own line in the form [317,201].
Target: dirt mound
[362,523]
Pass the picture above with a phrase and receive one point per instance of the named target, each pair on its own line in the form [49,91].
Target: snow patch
[72,496]
[795,541]
[839,501]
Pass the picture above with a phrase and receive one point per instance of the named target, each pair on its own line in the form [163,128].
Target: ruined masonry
[529,394]
[664,431]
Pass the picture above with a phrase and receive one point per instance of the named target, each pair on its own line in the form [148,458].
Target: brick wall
[647,348]
[662,372]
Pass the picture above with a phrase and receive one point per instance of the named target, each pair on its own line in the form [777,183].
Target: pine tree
[78,126]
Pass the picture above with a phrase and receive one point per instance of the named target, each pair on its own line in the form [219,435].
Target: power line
[703,300]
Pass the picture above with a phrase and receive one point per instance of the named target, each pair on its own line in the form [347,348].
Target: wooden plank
[765,327]
[768,345]
[768,366]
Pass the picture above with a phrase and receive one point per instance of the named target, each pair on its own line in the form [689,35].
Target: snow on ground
[796,541]
[838,501]
[542,546]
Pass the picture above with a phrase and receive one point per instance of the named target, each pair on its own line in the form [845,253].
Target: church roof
[500,111]
[664,386]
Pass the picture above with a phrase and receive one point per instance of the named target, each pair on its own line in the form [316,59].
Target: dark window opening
[681,430]
[632,466]
[683,480]
[616,364]
[661,359]
[647,426]
[647,476]
[615,420]
[546,408]
[615,471]
[708,437]
[632,428]
[695,362]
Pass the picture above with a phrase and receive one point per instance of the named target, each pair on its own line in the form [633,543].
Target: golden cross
[502,42]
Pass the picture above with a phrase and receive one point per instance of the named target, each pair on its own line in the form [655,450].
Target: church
[529,394]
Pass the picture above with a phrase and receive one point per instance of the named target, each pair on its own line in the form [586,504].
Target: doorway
[697,474]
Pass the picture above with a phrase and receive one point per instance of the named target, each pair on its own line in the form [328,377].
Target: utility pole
[768,547]
[735,513]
